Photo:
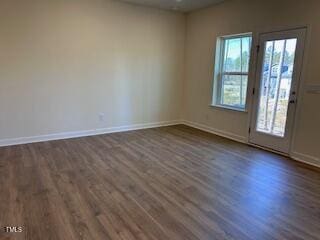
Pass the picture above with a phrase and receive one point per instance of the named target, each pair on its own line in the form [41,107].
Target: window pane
[234,90]
[236,54]
[246,46]
[232,55]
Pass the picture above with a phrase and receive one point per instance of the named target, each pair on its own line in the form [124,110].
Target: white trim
[85,133]
[215,131]
[305,158]
[230,36]
[226,107]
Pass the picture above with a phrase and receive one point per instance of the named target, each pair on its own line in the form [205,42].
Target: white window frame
[218,72]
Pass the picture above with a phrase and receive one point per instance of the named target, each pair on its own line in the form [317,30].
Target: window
[231,71]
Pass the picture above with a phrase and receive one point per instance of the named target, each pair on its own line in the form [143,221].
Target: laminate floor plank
[156,184]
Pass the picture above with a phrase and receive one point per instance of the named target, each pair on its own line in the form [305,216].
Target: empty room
[159,119]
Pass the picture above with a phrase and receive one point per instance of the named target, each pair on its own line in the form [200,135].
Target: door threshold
[269,149]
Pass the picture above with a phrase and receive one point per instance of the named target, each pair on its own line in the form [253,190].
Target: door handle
[292,101]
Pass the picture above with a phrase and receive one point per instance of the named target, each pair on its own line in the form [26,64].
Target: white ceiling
[178,5]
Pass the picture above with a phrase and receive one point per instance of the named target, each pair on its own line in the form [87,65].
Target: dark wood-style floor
[164,183]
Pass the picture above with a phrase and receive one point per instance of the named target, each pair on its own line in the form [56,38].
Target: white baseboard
[85,133]
[221,133]
[305,158]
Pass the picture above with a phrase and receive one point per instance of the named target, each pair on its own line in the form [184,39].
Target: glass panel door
[279,65]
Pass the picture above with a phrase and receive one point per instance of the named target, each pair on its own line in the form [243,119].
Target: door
[276,88]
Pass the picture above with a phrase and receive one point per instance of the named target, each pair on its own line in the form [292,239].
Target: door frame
[254,86]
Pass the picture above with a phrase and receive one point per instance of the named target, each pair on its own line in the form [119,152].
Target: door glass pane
[275,86]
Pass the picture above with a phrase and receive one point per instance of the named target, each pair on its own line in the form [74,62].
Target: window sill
[229,108]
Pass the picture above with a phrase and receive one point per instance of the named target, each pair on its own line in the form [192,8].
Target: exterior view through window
[276,78]
[231,74]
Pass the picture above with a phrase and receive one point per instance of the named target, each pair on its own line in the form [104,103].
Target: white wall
[62,62]
[240,16]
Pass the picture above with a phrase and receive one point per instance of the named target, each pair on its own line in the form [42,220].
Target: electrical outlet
[101,117]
